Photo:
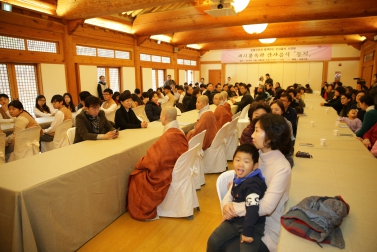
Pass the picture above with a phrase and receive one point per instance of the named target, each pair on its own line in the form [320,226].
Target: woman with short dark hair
[153,108]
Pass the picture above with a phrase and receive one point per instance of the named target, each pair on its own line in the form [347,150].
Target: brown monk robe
[221,113]
[206,121]
[149,183]
[225,102]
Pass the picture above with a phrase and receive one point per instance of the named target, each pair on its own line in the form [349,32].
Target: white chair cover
[181,198]
[167,104]
[199,178]
[214,160]
[178,111]
[71,132]
[243,120]
[2,148]
[111,116]
[26,143]
[231,139]
[222,184]
[236,115]
[60,137]
[140,113]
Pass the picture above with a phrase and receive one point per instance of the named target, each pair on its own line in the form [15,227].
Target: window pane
[165,59]
[154,84]
[156,58]
[189,75]
[114,79]
[86,51]
[27,86]
[180,61]
[4,80]
[105,53]
[161,78]
[122,55]
[145,57]
[187,62]
[193,63]
[12,43]
[41,46]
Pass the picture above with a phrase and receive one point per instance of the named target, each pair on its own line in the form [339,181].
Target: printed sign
[277,54]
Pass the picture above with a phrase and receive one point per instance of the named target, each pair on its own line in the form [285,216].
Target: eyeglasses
[42,100]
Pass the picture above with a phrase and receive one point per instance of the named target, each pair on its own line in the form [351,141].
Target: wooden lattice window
[4,80]
[112,77]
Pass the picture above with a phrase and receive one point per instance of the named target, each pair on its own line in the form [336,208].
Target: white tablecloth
[343,167]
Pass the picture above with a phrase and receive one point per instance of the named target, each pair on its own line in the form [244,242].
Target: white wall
[348,69]
[211,55]
[196,76]
[341,50]
[204,70]
[171,72]
[182,76]
[88,79]
[54,81]
[146,74]
[128,78]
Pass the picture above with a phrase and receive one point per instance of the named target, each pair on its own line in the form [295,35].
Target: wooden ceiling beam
[281,30]
[258,11]
[347,39]
[83,9]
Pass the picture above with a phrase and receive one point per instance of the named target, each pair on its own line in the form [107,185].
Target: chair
[71,132]
[231,139]
[167,104]
[181,198]
[236,115]
[222,185]
[140,113]
[111,116]
[178,111]
[2,148]
[60,137]
[26,143]
[199,178]
[214,160]
[243,120]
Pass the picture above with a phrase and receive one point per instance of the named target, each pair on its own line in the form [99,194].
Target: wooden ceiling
[186,22]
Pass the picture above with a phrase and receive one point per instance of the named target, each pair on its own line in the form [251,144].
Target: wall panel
[88,79]
[128,78]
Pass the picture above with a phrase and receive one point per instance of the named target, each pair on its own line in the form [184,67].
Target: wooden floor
[166,234]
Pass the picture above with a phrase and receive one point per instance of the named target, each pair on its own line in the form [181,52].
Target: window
[154,58]
[112,77]
[158,77]
[27,44]
[166,60]
[101,52]
[4,80]
[23,86]
[180,61]
[145,57]
[186,62]
[189,76]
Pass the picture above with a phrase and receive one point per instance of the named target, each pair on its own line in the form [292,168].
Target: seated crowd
[255,201]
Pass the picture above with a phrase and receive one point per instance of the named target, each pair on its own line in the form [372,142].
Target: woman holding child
[272,137]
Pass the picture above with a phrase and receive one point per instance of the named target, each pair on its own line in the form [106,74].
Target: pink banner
[277,54]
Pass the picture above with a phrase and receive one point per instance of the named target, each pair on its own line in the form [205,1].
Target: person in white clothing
[109,106]
[41,109]
[181,93]
[61,115]
[272,137]
[4,111]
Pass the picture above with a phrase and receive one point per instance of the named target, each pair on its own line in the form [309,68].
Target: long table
[342,167]
[60,199]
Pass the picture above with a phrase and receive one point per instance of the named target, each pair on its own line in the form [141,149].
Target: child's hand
[229,185]
[246,239]
[228,211]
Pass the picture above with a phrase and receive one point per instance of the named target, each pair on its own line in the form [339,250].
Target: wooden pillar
[223,74]
[375,59]
[70,70]
[176,70]
[138,72]
[324,72]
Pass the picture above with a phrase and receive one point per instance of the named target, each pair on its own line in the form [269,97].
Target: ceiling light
[240,5]
[6,7]
[109,24]
[158,41]
[255,28]
[194,46]
[163,38]
[267,40]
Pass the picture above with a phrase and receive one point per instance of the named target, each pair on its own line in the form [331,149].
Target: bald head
[168,114]
[217,99]
[201,102]
[225,95]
